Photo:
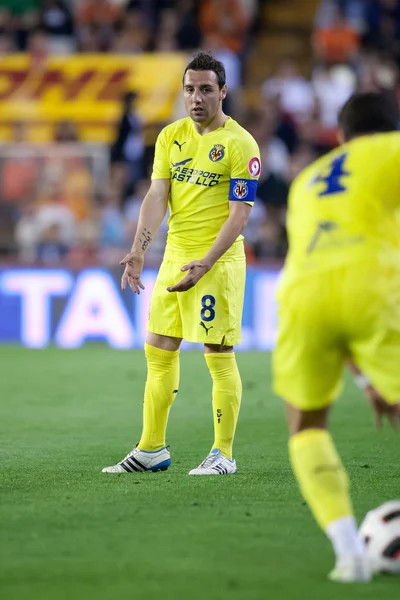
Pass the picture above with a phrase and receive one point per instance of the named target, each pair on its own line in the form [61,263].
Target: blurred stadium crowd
[290,67]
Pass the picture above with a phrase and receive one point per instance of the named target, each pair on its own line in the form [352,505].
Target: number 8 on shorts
[207,312]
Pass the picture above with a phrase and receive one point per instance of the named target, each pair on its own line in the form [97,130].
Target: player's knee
[163,342]
[216,348]
[299,420]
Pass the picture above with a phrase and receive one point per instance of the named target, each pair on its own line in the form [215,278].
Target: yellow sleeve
[161,165]
[245,170]
[396,175]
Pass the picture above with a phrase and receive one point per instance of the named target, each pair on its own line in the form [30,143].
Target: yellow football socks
[161,389]
[226,395]
[322,478]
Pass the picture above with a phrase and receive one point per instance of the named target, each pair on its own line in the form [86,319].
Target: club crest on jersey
[217,152]
[241,190]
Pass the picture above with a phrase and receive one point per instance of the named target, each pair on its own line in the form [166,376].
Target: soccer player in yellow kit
[206,168]
[339,299]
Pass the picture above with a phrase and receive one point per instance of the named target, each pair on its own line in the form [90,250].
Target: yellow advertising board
[87,89]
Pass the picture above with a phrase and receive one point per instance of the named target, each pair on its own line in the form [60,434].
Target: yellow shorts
[353,312]
[209,312]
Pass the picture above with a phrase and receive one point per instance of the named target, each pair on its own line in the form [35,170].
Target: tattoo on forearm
[145,239]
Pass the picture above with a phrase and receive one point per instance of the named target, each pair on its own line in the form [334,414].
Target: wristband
[362,381]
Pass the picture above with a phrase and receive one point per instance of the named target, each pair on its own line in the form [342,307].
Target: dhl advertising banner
[86,89]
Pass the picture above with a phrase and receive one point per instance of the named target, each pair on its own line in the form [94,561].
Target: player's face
[202,95]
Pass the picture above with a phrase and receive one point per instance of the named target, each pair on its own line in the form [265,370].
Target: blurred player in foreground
[339,298]
[206,169]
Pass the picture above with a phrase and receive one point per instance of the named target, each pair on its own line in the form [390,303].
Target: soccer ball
[381,533]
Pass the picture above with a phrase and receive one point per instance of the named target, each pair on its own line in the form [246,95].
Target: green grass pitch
[70,532]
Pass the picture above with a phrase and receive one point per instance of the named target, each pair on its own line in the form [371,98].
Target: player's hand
[133,263]
[195,271]
[382,409]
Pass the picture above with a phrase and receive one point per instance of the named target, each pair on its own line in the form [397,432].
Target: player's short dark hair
[203,61]
[369,112]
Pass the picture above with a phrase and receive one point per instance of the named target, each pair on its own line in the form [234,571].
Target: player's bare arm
[229,232]
[380,407]
[152,212]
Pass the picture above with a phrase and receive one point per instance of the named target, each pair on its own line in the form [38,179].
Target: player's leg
[162,357]
[226,395]
[226,399]
[212,314]
[325,487]
[307,365]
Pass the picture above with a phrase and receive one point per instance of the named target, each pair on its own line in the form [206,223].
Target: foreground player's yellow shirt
[206,172]
[344,207]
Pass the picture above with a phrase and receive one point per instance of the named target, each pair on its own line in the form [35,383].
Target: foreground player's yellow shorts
[352,312]
[208,313]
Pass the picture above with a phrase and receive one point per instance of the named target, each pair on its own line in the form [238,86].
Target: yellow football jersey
[344,207]
[206,172]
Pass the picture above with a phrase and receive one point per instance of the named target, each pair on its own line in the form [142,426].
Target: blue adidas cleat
[139,461]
